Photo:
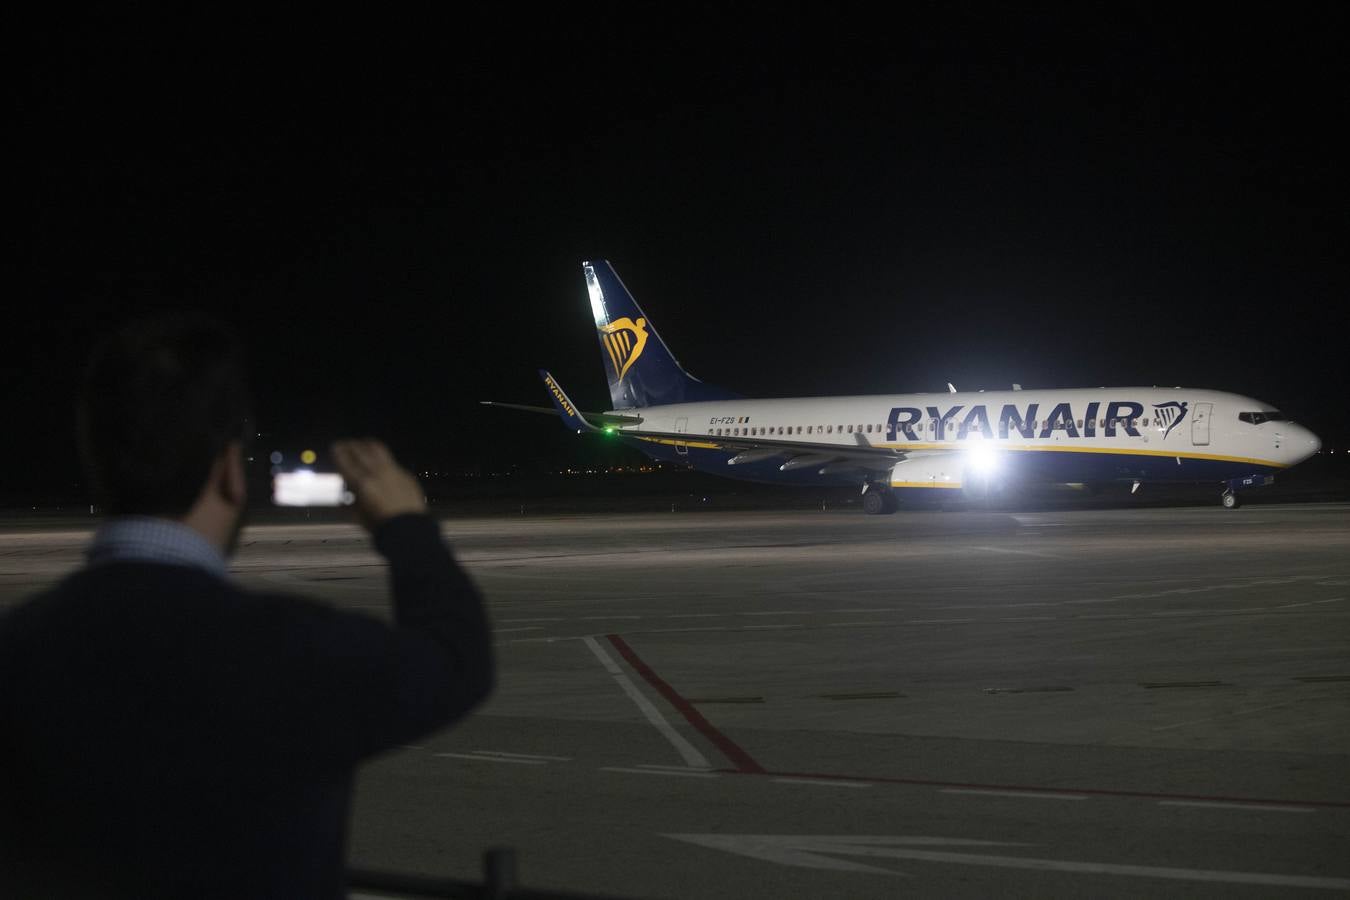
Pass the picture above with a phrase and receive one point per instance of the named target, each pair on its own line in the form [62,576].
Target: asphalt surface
[1072,703]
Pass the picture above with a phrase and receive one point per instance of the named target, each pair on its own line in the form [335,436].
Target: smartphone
[305,487]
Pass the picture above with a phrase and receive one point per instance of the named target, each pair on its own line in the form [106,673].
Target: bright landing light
[982,459]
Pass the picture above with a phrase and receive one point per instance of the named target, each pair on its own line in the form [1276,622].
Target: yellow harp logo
[624,340]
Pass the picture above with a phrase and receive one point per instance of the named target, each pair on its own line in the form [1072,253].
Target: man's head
[162,417]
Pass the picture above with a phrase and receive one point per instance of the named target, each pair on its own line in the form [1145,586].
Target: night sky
[394,211]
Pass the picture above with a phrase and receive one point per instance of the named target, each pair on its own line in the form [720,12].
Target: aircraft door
[682,426]
[1200,424]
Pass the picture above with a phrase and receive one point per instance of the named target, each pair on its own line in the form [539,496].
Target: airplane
[968,444]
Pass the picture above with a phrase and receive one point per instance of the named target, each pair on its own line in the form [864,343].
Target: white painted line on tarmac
[687,751]
[1260,807]
[589,618]
[1236,712]
[823,782]
[694,615]
[1017,552]
[671,768]
[525,755]
[499,759]
[1033,795]
[1310,603]
[824,852]
[683,773]
[537,619]
[855,624]
[522,628]
[937,621]
[769,627]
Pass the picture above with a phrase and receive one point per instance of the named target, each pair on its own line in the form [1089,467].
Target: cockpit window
[1269,415]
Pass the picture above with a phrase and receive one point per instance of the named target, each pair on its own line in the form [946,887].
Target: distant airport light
[308,457]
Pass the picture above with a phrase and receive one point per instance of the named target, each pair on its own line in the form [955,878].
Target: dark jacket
[164,733]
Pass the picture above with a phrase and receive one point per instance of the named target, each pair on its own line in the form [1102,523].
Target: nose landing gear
[1231,499]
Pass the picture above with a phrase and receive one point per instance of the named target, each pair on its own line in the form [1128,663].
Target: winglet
[566,408]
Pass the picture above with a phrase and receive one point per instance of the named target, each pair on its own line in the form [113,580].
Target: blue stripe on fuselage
[1056,466]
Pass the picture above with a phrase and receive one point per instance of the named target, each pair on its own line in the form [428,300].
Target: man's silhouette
[165,733]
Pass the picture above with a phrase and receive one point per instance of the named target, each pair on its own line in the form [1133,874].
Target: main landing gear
[878,501]
[1230,499]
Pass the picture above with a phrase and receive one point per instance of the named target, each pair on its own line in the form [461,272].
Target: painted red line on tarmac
[1100,792]
[743,762]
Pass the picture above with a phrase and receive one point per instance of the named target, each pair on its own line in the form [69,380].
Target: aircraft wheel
[878,502]
[1230,500]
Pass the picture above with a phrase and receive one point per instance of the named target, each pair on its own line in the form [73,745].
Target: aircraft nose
[1305,443]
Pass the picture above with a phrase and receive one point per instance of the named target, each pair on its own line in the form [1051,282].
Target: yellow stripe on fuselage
[699,444]
[954,446]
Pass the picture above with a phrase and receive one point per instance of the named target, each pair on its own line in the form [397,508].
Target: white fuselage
[1229,433]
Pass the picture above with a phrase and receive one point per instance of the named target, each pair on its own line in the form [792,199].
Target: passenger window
[829,429]
[808,429]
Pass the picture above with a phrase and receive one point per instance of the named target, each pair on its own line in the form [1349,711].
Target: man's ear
[232,484]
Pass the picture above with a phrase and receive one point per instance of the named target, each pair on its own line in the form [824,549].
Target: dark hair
[162,398]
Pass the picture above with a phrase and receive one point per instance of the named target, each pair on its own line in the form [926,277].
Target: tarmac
[1101,703]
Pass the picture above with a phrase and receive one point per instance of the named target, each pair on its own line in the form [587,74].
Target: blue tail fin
[640,368]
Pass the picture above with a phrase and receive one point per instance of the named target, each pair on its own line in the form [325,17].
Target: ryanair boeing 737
[971,442]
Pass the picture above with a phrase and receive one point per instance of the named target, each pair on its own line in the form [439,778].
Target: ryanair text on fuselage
[930,422]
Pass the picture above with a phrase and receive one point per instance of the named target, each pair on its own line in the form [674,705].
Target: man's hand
[383,488]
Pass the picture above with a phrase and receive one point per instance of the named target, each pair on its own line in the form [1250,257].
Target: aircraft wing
[795,454]
[596,418]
